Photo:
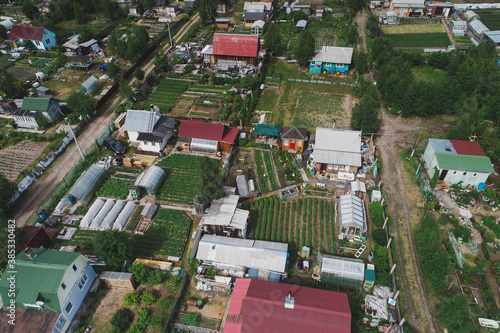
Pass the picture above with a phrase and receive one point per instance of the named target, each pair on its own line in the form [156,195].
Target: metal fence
[176,303]
[105,134]
[425,189]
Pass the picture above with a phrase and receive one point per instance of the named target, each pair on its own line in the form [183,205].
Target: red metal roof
[236,45]
[467,148]
[25,32]
[35,237]
[259,306]
[208,131]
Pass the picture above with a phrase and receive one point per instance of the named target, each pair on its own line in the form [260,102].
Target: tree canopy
[114,248]
[454,314]
[365,113]
[305,48]
[81,103]
[9,86]
[207,9]
[273,40]
[129,43]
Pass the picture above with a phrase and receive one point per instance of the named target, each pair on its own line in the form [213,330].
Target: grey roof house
[225,219]
[261,259]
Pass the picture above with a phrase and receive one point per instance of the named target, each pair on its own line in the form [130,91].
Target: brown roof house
[294,138]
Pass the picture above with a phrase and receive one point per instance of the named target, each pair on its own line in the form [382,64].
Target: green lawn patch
[418,40]
[115,188]
[428,73]
[267,100]
[317,109]
[412,29]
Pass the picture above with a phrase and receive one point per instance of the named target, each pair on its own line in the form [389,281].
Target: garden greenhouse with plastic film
[343,272]
[125,214]
[96,223]
[112,215]
[207,146]
[87,182]
[93,211]
[151,179]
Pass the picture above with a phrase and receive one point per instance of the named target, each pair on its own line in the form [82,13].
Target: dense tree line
[365,113]
[129,43]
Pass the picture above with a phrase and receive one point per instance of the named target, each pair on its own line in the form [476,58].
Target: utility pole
[15,12]
[415,143]
[169,35]
[74,136]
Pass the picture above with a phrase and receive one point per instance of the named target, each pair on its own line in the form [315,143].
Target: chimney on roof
[29,253]
[289,301]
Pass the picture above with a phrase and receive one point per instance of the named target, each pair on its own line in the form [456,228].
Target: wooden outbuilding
[118,280]
[222,22]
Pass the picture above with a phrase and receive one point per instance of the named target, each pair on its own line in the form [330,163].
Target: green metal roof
[38,279]
[265,129]
[464,162]
[35,104]
[370,275]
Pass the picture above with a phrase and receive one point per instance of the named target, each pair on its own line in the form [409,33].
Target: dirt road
[396,135]
[53,176]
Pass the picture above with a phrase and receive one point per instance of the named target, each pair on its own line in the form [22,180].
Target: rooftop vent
[448,149]
[289,301]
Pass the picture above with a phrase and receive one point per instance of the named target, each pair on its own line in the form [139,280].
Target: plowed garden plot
[299,222]
[165,237]
[325,37]
[166,94]
[14,159]
[183,178]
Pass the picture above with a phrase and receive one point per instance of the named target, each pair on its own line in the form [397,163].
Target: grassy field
[490,18]
[428,73]
[267,100]
[412,29]
[317,109]
[416,35]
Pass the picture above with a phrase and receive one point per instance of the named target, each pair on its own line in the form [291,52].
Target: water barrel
[162,154]
[43,216]
[199,304]
[313,172]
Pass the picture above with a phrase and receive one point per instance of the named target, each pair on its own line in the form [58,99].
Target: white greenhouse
[87,182]
[124,216]
[352,216]
[93,211]
[343,272]
[96,223]
[112,215]
[151,179]
[208,146]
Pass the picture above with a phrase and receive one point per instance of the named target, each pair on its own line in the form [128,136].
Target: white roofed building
[337,153]
[408,8]
[256,259]
[331,59]
[225,219]
[352,217]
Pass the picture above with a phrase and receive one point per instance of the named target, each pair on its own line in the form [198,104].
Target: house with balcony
[49,281]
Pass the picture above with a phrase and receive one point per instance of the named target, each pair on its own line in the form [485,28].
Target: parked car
[115,146]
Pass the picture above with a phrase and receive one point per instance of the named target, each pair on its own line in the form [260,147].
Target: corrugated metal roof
[265,129]
[352,212]
[35,104]
[254,16]
[25,32]
[408,2]
[236,45]
[140,121]
[315,310]
[494,36]
[257,6]
[334,54]
[301,24]
[241,182]
[224,212]
[243,252]
[47,269]
[334,146]
[442,146]
[464,162]
[467,148]
[208,131]
[478,27]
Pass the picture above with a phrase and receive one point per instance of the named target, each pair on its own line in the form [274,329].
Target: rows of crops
[167,93]
[260,171]
[308,222]
[490,18]
[288,172]
[166,236]
[183,178]
[115,188]
[270,171]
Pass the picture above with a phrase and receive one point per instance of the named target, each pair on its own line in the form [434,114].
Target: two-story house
[49,280]
[42,39]
[34,108]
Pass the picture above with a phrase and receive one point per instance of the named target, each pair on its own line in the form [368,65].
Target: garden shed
[90,86]
[97,221]
[119,280]
[93,211]
[112,215]
[343,272]
[301,25]
[352,217]
[151,179]
[225,219]
[258,27]
[124,216]
[207,146]
[87,182]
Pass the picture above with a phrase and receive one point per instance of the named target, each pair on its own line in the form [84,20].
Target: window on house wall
[82,281]
[63,286]
[74,268]
[68,307]
[465,173]
[454,172]
[299,143]
[474,175]
[47,41]
[285,142]
[45,32]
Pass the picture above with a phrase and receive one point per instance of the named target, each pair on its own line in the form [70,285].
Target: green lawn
[317,109]
[418,40]
[412,29]
[428,73]
[267,100]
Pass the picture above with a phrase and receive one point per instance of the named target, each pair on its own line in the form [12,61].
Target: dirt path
[53,176]
[393,180]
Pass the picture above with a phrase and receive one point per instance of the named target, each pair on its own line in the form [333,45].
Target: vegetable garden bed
[167,93]
[183,178]
[298,222]
[115,188]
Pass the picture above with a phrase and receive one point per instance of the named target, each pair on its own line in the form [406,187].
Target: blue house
[49,280]
[331,59]
[42,39]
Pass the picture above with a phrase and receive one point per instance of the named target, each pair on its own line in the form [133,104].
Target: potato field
[167,93]
[183,178]
[166,236]
[115,188]
[300,222]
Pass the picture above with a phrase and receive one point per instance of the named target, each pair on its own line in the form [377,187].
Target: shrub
[191,319]
[131,298]
[379,236]
[377,212]
[164,303]
[382,267]
[155,277]
[141,272]
[121,320]
[482,262]
[489,221]
[462,232]
[147,298]
[489,237]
